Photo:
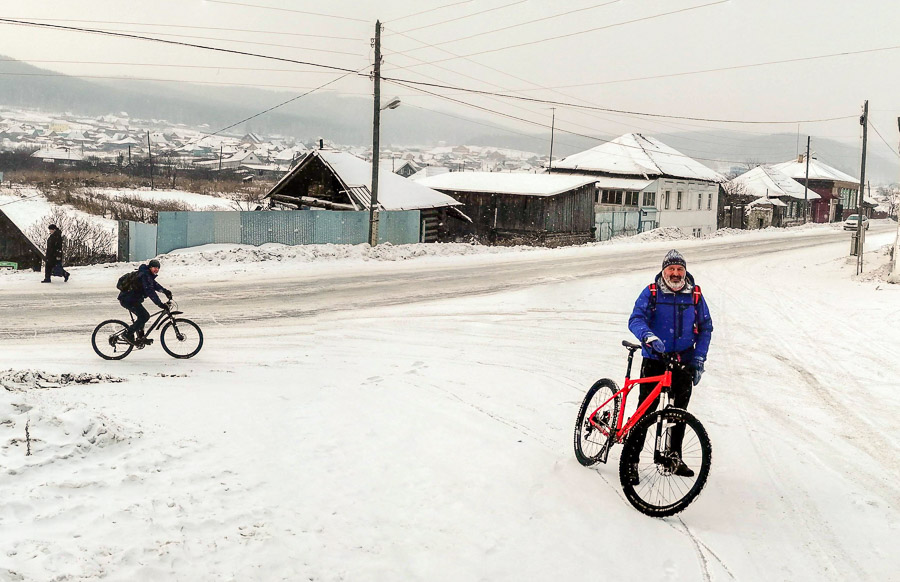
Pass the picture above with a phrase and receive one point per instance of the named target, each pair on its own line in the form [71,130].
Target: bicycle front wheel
[181,338]
[662,480]
[109,340]
[593,439]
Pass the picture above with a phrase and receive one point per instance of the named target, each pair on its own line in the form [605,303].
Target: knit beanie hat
[673,257]
[153,263]
[52,227]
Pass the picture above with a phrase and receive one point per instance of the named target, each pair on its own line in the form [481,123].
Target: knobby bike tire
[168,330]
[661,493]
[584,431]
[126,347]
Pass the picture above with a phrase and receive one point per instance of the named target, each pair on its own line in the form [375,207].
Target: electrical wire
[217,28]
[467,16]
[571,34]
[287,10]
[166,65]
[429,10]
[171,42]
[893,151]
[522,24]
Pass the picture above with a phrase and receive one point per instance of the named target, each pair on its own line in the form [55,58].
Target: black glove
[168,294]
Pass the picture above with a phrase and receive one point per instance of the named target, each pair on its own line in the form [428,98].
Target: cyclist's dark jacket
[148,288]
[673,320]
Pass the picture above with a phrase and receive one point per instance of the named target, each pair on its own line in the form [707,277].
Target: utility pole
[220,158]
[150,157]
[552,128]
[806,186]
[895,271]
[376,128]
[860,231]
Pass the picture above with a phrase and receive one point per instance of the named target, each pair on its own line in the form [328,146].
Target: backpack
[696,295]
[130,281]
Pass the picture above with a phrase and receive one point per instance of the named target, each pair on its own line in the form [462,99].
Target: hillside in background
[348,120]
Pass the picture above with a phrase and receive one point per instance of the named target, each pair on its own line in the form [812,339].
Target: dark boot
[682,470]
[45,281]
[65,276]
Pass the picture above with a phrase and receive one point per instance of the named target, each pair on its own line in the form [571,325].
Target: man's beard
[674,286]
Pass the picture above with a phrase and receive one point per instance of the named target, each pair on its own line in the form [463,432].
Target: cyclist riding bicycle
[671,316]
[145,286]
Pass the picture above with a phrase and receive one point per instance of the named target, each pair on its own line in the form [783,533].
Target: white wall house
[643,184]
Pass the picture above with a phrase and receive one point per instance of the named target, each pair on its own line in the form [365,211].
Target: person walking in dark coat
[53,264]
[131,299]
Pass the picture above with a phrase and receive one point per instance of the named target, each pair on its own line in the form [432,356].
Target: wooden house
[522,208]
[336,180]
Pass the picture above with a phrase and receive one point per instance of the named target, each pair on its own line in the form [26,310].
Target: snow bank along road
[414,421]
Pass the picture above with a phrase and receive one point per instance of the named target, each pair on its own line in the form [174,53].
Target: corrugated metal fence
[137,241]
[188,229]
[615,223]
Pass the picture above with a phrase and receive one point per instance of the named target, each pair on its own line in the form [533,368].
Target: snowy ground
[399,417]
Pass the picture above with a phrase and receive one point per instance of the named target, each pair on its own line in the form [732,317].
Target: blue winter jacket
[148,288]
[673,320]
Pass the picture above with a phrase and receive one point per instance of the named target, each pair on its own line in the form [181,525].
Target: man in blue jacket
[671,316]
[131,299]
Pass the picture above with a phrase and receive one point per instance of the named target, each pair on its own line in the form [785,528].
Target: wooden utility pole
[806,186]
[376,128]
[860,231]
[150,157]
[552,128]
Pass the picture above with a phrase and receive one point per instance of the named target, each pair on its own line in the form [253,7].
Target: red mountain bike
[660,476]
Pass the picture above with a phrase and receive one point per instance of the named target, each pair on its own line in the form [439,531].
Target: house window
[612,197]
[631,198]
[709,202]
[649,199]
[667,199]
[678,207]
[699,201]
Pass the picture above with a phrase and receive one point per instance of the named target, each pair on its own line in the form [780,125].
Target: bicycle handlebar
[672,358]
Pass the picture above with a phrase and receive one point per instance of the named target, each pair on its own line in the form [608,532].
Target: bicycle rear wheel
[663,487]
[181,338]
[592,442]
[109,340]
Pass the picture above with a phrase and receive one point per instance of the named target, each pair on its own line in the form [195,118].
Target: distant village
[625,186]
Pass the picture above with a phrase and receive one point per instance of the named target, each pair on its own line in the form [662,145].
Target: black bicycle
[180,337]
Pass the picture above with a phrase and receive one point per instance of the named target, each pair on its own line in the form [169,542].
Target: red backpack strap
[697,294]
[652,289]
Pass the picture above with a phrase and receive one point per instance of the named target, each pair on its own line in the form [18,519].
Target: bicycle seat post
[630,360]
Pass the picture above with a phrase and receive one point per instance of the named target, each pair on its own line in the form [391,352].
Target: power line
[305,48]
[651,17]
[717,69]
[429,10]
[467,15]
[522,24]
[591,137]
[610,110]
[893,151]
[167,65]
[218,28]
[287,10]
[172,42]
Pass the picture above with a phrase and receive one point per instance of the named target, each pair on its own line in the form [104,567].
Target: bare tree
[84,242]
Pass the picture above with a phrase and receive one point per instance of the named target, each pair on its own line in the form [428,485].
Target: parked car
[852,222]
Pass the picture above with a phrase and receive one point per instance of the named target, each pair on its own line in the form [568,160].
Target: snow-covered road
[413,421]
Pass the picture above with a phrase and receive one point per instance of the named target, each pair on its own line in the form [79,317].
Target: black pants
[679,395]
[48,269]
[140,313]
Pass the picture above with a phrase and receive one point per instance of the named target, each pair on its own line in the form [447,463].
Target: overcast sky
[604,61]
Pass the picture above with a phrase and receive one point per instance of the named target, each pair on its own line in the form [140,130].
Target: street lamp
[392,104]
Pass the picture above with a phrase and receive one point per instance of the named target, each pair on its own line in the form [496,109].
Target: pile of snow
[234,253]
[37,431]
[659,234]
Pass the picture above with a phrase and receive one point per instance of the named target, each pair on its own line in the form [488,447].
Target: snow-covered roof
[768,182]
[507,183]
[428,171]
[770,201]
[609,183]
[394,191]
[633,154]
[817,171]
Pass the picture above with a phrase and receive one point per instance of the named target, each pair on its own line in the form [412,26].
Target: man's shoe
[45,281]
[632,476]
[683,470]
[66,277]
[129,336]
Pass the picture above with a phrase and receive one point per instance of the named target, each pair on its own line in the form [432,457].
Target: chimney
[321,143]
[800,158]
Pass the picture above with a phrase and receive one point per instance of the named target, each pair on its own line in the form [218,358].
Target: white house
[643,183]
[768,183]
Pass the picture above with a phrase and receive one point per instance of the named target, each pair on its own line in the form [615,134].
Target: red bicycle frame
[662,381]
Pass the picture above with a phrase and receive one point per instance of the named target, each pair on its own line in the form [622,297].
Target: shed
[522,208]
[16,247]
